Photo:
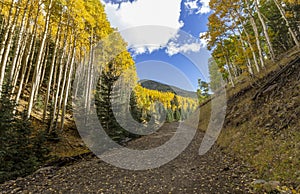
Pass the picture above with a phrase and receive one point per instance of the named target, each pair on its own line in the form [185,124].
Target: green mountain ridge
[154,85]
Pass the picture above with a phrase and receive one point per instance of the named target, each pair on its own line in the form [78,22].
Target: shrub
[21,151]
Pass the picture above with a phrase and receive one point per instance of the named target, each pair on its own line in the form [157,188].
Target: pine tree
[21,151]
[135,110]
[104,107]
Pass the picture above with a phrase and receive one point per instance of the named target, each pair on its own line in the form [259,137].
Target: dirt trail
[214,172]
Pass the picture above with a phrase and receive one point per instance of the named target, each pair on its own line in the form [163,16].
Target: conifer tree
[21,150]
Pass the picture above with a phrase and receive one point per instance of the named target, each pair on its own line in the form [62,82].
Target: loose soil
[214,172]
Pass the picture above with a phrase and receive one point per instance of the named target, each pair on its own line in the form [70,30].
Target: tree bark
[58,85]
[68,86]
[6,30]
[57,39]
[18,43]
[282,12]
[7,49]
[265,29]
[255,29]
[37,73]
[30,49]
[249,42]
[261,57]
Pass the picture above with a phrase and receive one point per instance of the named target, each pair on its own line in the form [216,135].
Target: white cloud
[174,48]
[144,49]
[191,4]
[194,6]
[186,43]
[148,38]
[205,7]
[165,13]
[203,41]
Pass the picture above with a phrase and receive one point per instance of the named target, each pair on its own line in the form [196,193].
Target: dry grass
[275,155]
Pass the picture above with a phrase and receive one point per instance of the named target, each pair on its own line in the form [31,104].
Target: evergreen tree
[136,112]
[170,115]
[176,109]
[202,91]
[21,150]
[104,98]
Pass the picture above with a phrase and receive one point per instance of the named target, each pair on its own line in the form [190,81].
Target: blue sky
[163,37]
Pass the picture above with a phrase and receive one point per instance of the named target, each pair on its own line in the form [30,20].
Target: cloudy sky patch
[126,14]
[153,30]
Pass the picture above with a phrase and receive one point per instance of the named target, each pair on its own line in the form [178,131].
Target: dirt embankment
[263,127]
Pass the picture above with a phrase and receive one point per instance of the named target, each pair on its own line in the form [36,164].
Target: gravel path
[214,172]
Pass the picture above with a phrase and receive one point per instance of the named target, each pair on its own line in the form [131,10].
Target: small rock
[274,184]
[271,186]
[16,190]
[258,148]
[258,182]
[258,185]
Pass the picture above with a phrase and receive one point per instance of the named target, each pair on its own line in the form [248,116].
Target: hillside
[266,121]
[262,124]
[153,85]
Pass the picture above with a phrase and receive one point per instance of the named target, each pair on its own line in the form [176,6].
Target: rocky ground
[214,172]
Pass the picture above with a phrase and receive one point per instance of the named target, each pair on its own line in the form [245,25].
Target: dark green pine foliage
[21,151]
[104,106]
[177,111]
[104,98]
[177,115]
[203,90]
[135,111]
[170,115]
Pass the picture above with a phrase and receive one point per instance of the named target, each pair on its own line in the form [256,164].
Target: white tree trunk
[7,50]
[30,48]
[68,83]
[249,42]
[282,12]
[263,23]
[6,30]
[18,43]
[21,57]
[261,57]
[58,85]
[51,71]
[37,72]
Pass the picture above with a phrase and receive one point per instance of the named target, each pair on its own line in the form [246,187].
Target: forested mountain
[154,85]
[176,107]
